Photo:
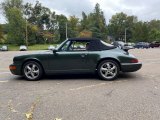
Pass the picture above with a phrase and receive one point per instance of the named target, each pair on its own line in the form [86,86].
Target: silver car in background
[4,48]
[23,48]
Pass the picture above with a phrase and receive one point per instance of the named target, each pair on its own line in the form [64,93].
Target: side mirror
[54,51]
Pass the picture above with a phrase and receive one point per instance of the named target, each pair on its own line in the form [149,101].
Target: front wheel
[108,70]
[32,70]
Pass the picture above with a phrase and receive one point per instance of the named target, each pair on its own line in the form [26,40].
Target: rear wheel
[108,70]
[32,70]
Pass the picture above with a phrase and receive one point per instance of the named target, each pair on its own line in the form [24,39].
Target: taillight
[134,61]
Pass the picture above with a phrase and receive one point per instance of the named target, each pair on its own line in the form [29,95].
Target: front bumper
[130,67]
[15,69]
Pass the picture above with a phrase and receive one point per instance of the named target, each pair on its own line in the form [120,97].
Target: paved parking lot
[133,96]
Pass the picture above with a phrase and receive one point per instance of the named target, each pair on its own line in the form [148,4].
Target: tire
[108,70]
[32,71]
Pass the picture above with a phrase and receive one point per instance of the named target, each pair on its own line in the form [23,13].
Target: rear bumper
[15,69]
[130,67]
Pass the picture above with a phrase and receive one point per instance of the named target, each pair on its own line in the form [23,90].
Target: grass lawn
[38,47]
[33,47]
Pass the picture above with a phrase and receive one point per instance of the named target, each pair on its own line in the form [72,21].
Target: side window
[79,46]
[75,46]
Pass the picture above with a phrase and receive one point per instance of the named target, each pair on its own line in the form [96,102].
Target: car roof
[83,39]
[95,44]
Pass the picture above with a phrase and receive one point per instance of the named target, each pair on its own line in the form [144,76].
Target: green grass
[32,47]
[13,47]
[38,47]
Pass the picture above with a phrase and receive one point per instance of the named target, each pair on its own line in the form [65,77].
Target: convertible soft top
[94,44]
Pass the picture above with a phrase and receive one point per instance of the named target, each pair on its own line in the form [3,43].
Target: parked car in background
[51,47]
[123,45]
[23,48]
[119,44]
[129,45]
[100,57]
[154,44]
[4,48]
[142,45]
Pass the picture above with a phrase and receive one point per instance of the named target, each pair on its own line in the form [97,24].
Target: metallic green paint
[79,61]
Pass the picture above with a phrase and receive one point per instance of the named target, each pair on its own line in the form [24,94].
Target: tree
[85,33]
[73,26]
[95,23]
[34,17]
[140,32]
[154,24]
[118,23]
[62,20]
[154,35]
[16,24]
[44,19]
[1,34]
[32,33]
[48,37]
[11,4]
[84,22]
[4,28]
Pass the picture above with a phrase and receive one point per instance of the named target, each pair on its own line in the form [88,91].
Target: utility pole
[125,39]
[66,31]
[26,34]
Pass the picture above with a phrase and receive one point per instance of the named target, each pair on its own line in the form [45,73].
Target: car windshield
[60,45]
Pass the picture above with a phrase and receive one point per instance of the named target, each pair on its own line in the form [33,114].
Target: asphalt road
[133,96]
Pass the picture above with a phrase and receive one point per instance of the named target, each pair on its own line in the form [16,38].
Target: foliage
[32,33]
[140,32]
[154,35]
[95,22]
[117,25]
[41,25]
[85,33]
[73,26]
[45,22]
[16,24]
[48,37]
[1,35]
[62,21]
[136,31]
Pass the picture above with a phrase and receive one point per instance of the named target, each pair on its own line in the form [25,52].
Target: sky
[145,10]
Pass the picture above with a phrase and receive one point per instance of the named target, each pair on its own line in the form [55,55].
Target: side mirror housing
[54,51]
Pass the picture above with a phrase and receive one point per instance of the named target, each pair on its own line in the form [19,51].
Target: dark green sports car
[77,55]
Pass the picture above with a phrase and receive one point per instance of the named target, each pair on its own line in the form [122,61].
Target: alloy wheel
[32,71]
[108,70]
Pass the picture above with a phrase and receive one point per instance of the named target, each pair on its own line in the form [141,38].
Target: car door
[93,58]
[68,61]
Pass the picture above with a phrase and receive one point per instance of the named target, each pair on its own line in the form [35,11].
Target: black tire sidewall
[40,70]
[101,63]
